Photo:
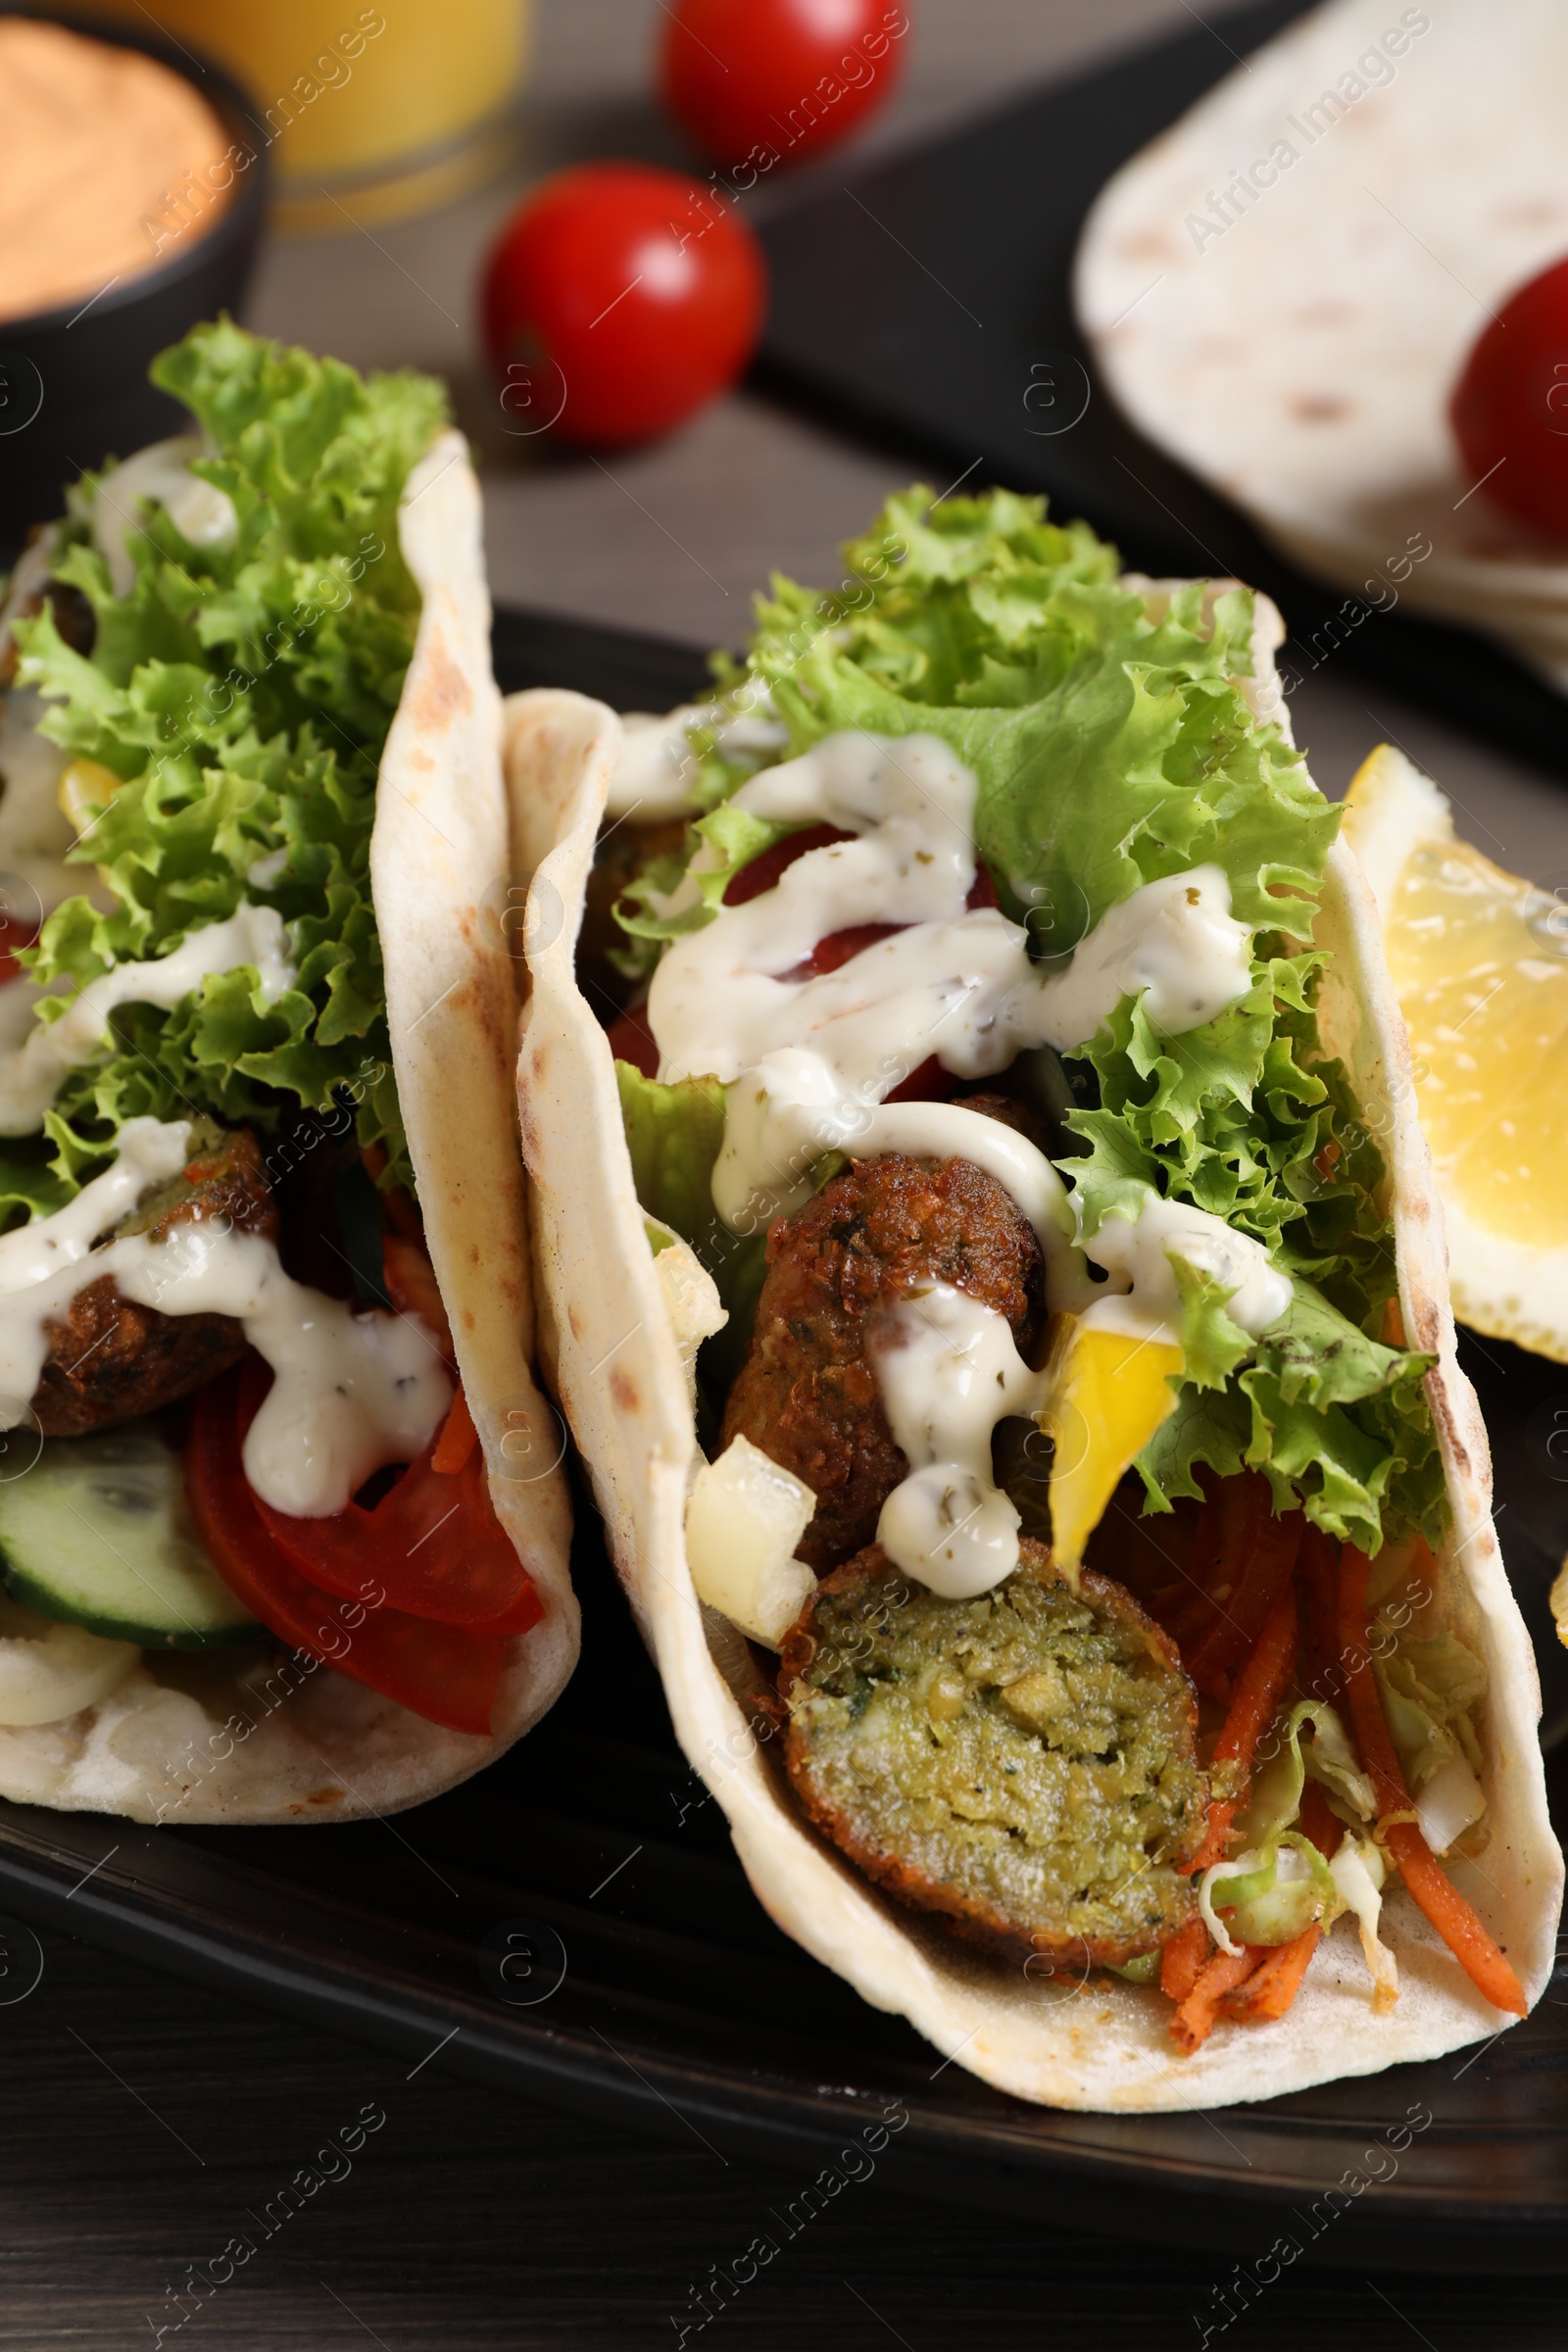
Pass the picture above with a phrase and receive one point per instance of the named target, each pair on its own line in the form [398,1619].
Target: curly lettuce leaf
[1113,745]
[241,695]
[673,1135]
[682,893]
[1336,1423]
[1111,748]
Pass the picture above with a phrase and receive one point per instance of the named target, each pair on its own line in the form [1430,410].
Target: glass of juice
[377,112]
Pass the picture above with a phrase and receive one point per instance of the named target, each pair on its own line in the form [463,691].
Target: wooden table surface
[146,2119]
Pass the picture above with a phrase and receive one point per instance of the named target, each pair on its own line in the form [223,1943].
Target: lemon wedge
[1105,1393]
[1479,960]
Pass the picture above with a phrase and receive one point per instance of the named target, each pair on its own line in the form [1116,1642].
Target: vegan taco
[992,1269]
[282,1526]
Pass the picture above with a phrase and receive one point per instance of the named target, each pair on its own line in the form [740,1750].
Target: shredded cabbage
[241,695]
[1428,1688]
[1358,1871]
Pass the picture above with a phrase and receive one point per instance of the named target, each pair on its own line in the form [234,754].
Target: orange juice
[375,109]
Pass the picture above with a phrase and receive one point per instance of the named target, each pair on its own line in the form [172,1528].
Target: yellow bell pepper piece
[85,790]
[1105,1394]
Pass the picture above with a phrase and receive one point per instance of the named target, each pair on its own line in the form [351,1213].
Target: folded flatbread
[258,1734]
[614,1350]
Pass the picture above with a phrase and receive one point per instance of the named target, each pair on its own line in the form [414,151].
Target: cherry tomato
[760,82]
[449,1674]
[1510,407]
[617,300]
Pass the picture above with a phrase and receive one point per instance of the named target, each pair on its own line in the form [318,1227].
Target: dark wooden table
[148,2124]
[151,2127]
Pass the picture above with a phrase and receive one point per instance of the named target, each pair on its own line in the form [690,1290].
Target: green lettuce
[674,1134]
[238,699]
[1113,749]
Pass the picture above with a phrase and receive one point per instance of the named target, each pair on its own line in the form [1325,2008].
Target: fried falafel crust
[808,1393]
[1024,1765]
[110,1360]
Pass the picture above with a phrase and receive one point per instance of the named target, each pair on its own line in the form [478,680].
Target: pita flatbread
[619,1376]
[1283,290]
[214,1735]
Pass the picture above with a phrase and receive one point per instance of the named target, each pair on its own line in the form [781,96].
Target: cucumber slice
[98,1533]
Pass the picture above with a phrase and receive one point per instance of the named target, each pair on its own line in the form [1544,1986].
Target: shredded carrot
[1429,1884]
[1258,1553]
[399,1210]
[1180,1963]
[1318,1575]
[411,1286]
[1194,2021]
[1319,1820]
[1259,1687]
[1271,1989]
[1393,1324]
[457,1438]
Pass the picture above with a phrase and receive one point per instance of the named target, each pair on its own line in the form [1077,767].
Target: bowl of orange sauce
[132,190]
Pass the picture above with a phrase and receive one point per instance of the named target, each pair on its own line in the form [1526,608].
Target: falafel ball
[112,1360]
[808,1393]
[1022,1764]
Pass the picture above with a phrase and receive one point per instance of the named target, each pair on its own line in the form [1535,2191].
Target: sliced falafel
[1023,1764]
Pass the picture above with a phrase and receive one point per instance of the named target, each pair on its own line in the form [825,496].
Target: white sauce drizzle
[352,1392]
[949,1371]
[1174,941]
[31,1073]
[657,769]
[809,1061]
[955,981]
[1136,1256]
[202,514]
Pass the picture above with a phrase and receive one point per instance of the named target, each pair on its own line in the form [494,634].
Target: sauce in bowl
[109,162]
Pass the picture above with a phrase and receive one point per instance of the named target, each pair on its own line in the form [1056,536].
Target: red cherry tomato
[617,300]
[762,82]
[1510,406]
[449,1674]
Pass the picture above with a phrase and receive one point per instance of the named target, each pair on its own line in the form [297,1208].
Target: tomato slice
[631,1040]
[763,872]
[449,1674]
[16,931]
[434,1541]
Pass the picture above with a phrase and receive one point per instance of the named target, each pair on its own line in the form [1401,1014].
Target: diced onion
[49,1670]
[743,1521]
[691,1295]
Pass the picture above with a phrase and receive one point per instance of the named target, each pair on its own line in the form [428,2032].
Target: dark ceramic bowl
[73,384]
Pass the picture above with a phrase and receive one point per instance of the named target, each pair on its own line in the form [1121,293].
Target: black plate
[914,297]
[573,1925]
